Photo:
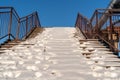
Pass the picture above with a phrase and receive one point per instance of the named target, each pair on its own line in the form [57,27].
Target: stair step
[56,54]
[6,46]
[112,64]
[67,67]
[88,40]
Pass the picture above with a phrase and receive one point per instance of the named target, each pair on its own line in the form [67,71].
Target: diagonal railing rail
[13,27]
[83,24]
[27,24]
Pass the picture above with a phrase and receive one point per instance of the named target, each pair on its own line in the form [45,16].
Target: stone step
[1,52]
[68,57]
[69,45]
[60,41]
[7,62]
[66,40]
[96,46]
[60,58]
[61,50]
[68,67]
[65,61]
[112,59]
[88,40]
[76,76]
[103,55]
[92,46]
[56,56]
[63,47]
[112,64]
[20,74]
[6,46]
[65,44]
[103,51]
[60,54]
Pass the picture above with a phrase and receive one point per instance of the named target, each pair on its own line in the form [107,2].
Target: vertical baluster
[10,24]
[96,29]
[18,30]
[26,27]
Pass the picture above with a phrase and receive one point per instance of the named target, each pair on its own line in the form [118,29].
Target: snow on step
[57,55]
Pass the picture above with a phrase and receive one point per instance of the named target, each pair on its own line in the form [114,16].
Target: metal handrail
[14,26]
[105,19]
[106,29]
[85,28]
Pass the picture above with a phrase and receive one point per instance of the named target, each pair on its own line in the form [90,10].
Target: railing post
[10,24]
[18,30]
[76,23]
[111,30]
[26,27]
[80,22]
[31,21]
[34,20]
[110,18]
[96,29]
[85,26]
[38,21]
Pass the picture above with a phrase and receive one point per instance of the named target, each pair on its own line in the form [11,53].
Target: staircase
[58,54]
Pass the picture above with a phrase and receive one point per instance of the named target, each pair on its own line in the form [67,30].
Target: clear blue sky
[56,12]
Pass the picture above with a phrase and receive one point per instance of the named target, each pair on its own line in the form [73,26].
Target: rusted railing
[83,25]
[27,24]
[104,25]
[12,27]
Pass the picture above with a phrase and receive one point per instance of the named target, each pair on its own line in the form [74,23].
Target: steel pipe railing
[13,27]
[83,25]
[103,25]
[106,26]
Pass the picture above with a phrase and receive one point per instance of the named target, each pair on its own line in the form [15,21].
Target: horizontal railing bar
[28,15]
[104,12]
[99,9]
[5,12]
[4,7]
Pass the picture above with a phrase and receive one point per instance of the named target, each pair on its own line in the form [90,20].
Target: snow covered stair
[57,54]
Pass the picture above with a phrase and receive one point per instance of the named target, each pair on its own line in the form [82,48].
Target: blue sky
[56,12]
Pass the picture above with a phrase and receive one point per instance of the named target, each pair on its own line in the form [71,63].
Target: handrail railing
[83,24]
[105,25]
[27,24]
[13,27]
